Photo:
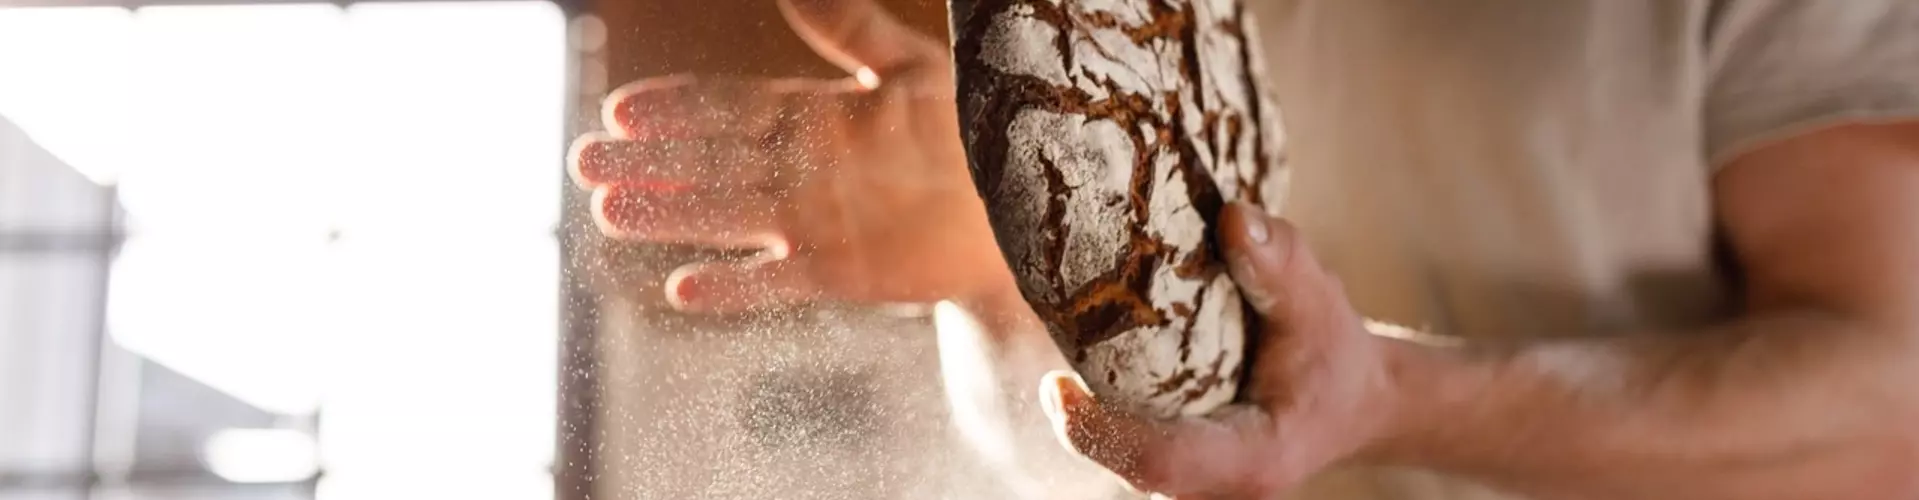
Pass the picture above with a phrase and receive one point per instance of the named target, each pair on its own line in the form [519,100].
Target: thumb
[1220,454]
[859,35]
[1275,270]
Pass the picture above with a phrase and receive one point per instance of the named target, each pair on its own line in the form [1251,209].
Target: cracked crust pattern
[1105,135]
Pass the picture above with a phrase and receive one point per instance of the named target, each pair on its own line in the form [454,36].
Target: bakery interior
[280,250]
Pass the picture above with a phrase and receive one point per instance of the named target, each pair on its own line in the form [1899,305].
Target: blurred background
[280,251]
[326,250]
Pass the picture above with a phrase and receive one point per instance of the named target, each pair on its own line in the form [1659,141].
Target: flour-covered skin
[853,193]
[851,190]
[1103,136]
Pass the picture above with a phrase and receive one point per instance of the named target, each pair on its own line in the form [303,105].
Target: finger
[1218,454]
[684,106]
[1275,271]
[725,287]
[598,159]
[733,218]
[859,35]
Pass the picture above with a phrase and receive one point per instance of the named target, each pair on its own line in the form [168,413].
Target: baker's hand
[856,188]
[1321,390]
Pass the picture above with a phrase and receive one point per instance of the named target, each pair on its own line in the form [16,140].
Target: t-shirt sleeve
[1780,67]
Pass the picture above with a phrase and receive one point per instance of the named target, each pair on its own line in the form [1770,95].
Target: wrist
[1429,389]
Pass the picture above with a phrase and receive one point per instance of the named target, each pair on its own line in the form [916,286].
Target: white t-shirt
[1524,168]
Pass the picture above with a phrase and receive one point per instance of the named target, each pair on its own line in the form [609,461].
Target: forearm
[1782,405]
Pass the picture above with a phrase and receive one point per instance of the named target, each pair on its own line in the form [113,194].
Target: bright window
[341,219]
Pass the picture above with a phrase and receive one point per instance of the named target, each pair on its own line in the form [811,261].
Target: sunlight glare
[349,211]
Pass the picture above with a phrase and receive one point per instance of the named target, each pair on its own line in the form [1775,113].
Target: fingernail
[1063,388]
[605,202]
[1056,397]
[620,210]
[1080,383]
[682,291]
[867,78]
[1071,390]
[655,115]
[1049,401]
[1255,222]
[591,161]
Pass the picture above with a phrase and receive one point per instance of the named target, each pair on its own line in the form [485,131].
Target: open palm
[856,188]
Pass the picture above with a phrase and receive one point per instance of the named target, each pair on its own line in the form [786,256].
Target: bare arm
[1810,394]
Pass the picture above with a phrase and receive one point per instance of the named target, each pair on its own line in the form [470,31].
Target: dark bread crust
[1105,136]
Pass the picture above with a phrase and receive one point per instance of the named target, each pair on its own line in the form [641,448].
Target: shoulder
[1780,68]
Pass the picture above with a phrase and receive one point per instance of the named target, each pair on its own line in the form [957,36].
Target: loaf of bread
[1105,136]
